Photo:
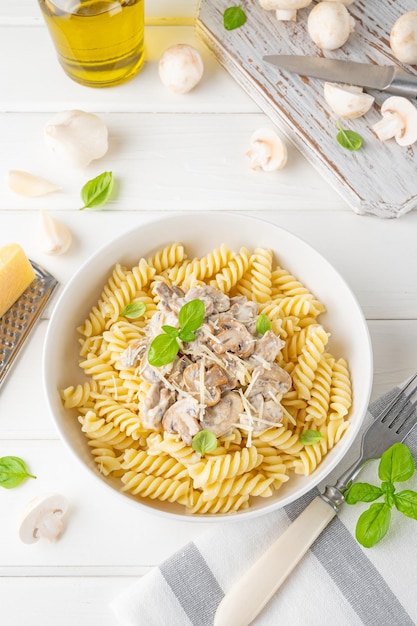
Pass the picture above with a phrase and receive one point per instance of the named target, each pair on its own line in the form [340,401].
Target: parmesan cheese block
[16,273]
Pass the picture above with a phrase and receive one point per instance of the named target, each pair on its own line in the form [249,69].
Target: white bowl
[200,233]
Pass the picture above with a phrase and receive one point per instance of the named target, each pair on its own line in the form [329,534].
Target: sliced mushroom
[213,378]
[403,38]
[156,403]
[399,120]
[42,517]
[268,411]
[133,353]
[329,25]
[244,310]
[347,101]
[171,297]
[214,300]
[268,346]
[181,418]
[220,418]
[270,382]
[236,338]
[153,374]
[267,151]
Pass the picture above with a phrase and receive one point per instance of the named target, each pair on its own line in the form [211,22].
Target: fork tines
[401,408]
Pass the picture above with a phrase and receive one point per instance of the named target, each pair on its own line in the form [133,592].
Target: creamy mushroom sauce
[226,378]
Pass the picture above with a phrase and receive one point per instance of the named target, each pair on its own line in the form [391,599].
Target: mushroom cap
[291,5]
[329,25]
[403,38]
[407,112]
[347,101]
[269,5]
[38,510]
[346,3]
[267,150]
[180,68]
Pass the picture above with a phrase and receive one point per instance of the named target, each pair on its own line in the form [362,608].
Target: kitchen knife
[382,77]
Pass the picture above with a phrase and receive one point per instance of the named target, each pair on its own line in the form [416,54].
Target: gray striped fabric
[191,592]
[198,592]
[194,585]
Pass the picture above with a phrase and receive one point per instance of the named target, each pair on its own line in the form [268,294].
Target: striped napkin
[337,582]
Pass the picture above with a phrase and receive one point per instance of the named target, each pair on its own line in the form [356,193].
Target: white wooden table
[169,153]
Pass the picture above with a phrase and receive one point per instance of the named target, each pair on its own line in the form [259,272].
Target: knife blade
[388,78]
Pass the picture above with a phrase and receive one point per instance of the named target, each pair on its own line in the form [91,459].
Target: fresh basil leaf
[191,315]
[171,331]
[373,524]
[348,139]
[263,323]
[133,310]
[233,17]
[187,336]
[97,190]
[204,441]
[13,471]
[310,437]
[362,492]
[396,464]
[163,350]
[406,502]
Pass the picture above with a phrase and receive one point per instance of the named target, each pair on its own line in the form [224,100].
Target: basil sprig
[396,465]
[234,17]
[164,348]
[97,190]
[204,441]
[348,139]
[13,471]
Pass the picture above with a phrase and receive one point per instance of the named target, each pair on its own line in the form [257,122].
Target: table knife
[388,78]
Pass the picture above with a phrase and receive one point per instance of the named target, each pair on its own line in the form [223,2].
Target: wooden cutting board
[379,179]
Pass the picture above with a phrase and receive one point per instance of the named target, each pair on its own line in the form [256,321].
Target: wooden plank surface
[380,179]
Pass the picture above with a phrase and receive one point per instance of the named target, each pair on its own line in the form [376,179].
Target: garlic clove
[77,137]
[267,152]
[28,185]
[52,236]
[181,68]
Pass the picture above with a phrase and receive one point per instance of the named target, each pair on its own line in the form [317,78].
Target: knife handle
[250,594]
[403,84]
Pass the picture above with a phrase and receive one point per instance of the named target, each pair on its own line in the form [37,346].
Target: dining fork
[256,587]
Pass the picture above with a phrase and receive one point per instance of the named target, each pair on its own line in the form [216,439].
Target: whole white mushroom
[329,25]
[181,68]
[403,38]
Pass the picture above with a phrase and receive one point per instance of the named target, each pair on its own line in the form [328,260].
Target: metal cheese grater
[19,320]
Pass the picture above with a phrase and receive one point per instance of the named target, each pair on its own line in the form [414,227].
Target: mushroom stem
[389,126]
[51,526]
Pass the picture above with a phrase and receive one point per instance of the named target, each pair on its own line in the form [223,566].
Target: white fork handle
[251,593]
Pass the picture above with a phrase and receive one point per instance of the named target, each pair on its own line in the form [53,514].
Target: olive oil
[100,43]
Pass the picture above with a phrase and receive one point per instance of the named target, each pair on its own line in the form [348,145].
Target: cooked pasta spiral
[113,396]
